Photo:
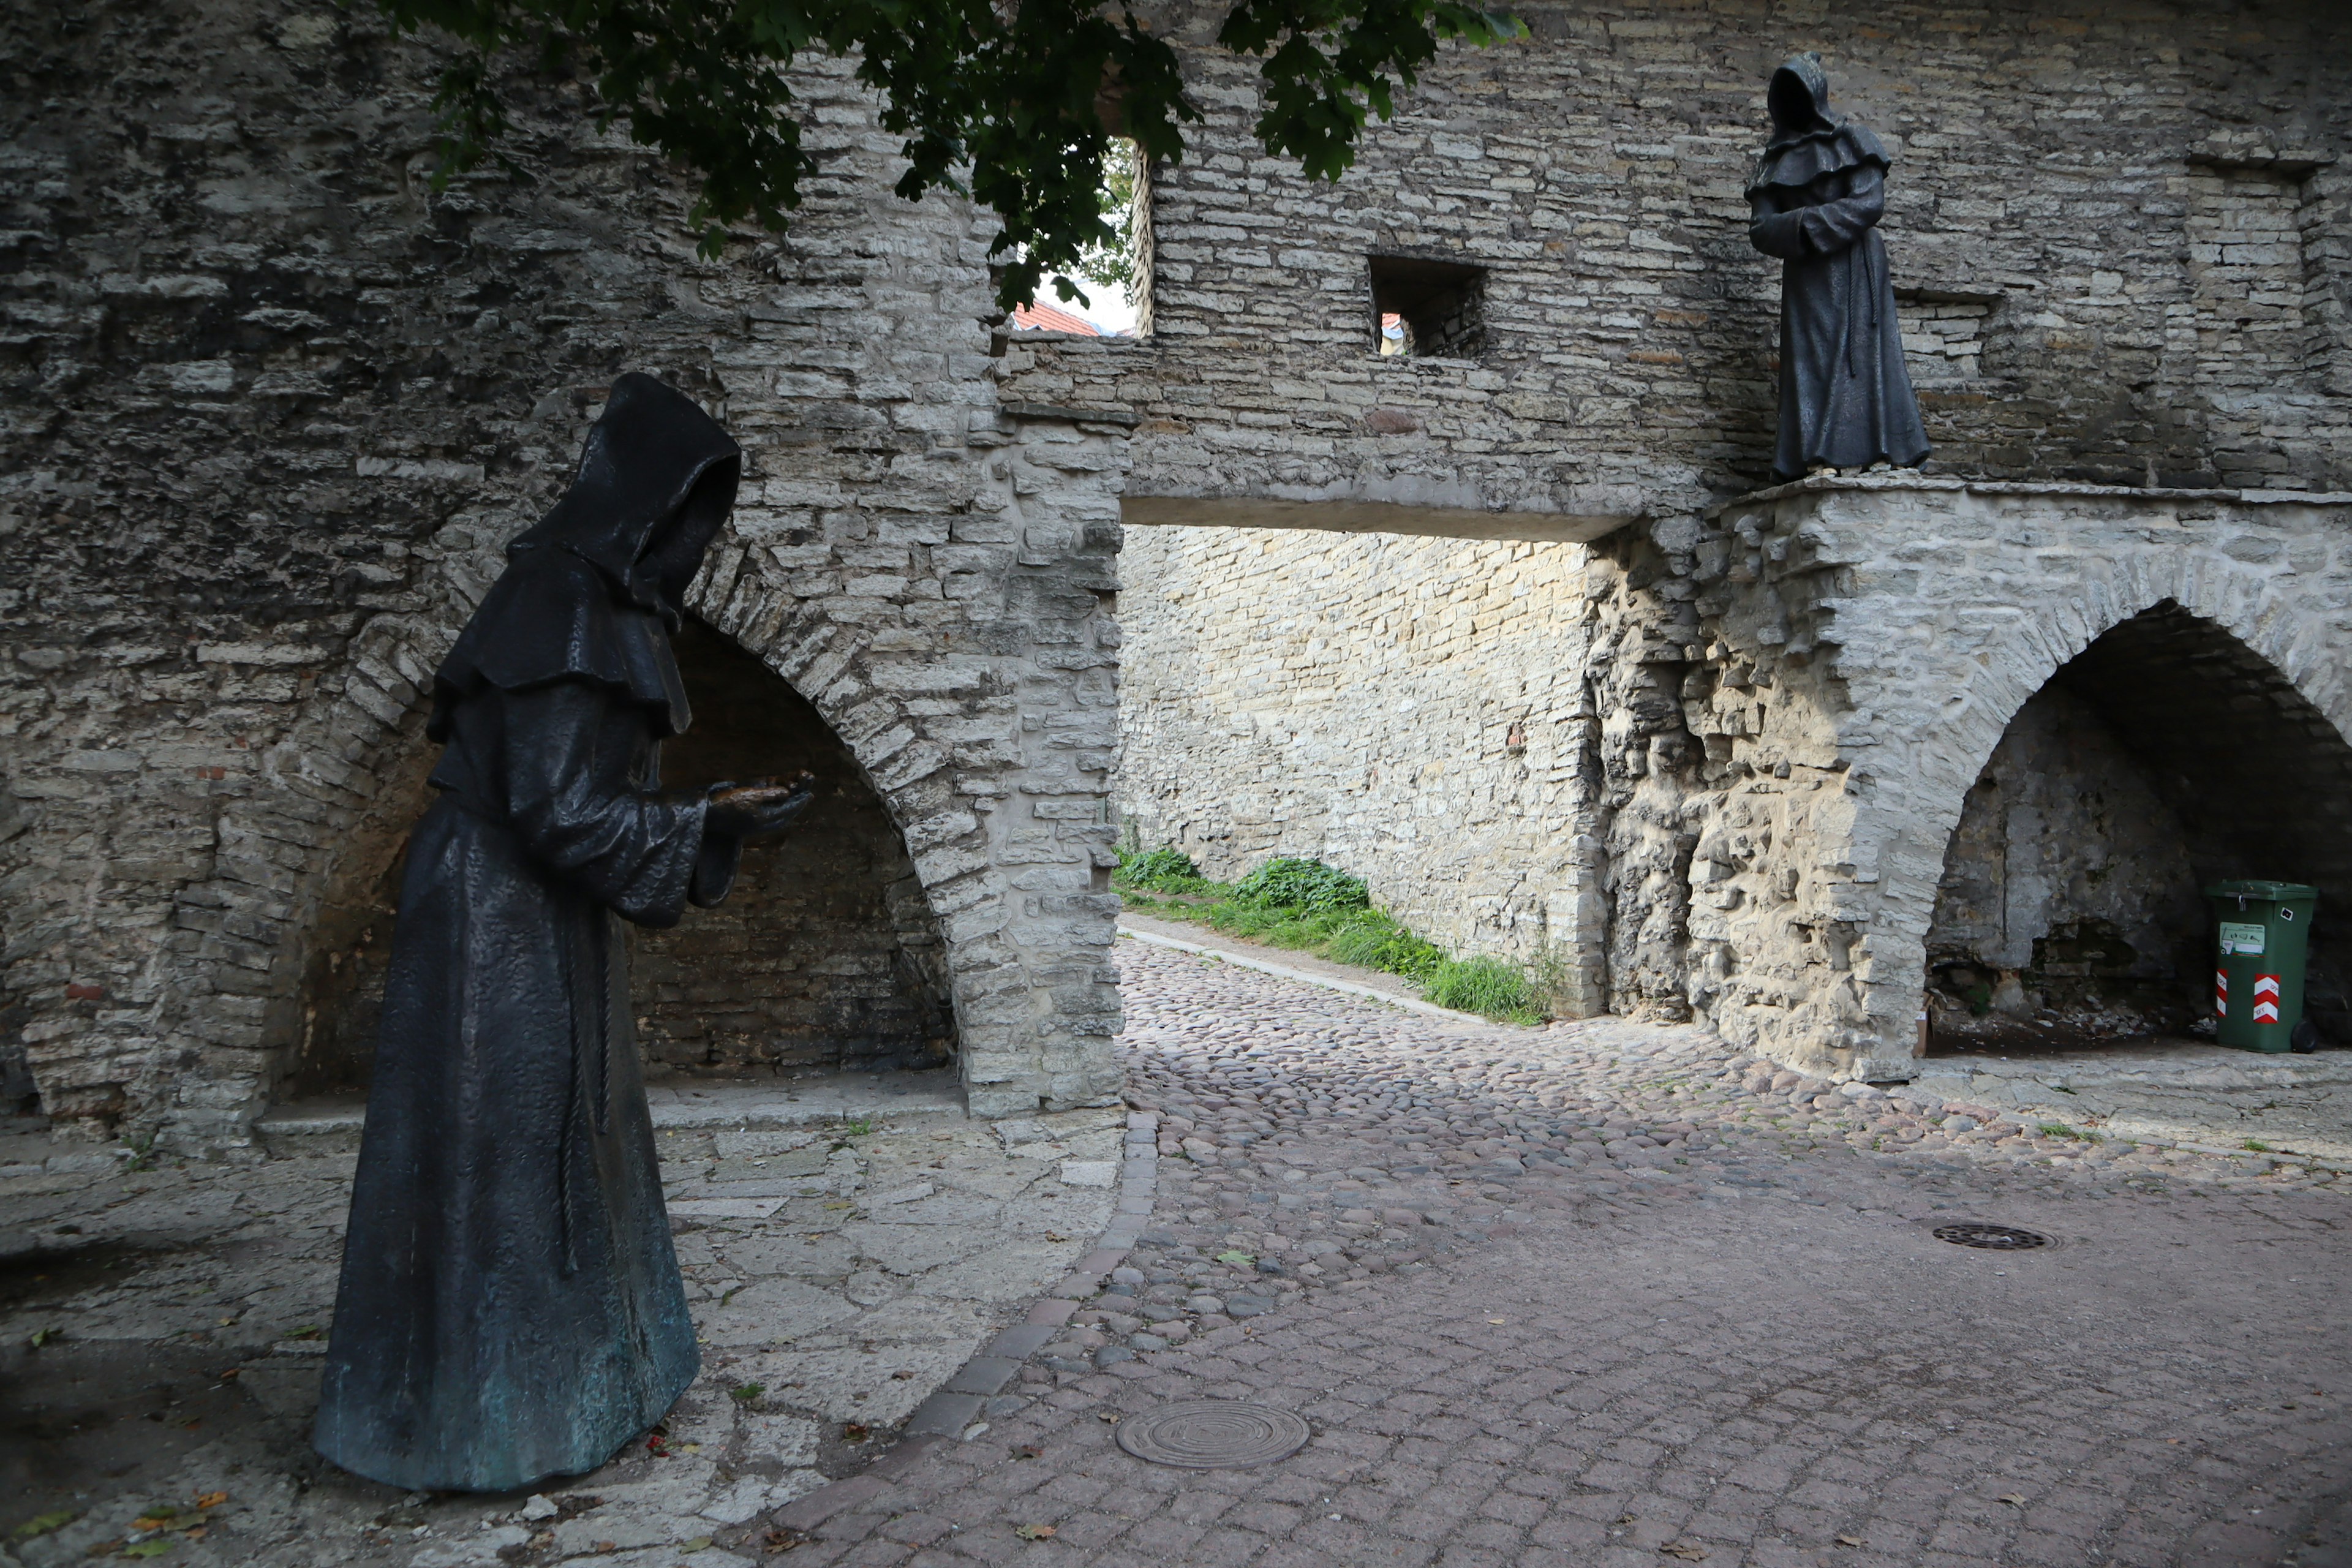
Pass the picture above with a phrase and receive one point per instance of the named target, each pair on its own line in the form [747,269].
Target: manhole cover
[1214,1435]
[1992,1237]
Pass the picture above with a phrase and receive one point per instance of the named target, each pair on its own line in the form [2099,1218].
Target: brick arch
[2254,617]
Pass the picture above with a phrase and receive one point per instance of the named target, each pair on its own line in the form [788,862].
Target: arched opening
[825,957]
[2166,755]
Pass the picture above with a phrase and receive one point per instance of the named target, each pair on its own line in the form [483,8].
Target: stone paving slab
[839,1271]
[2179,1091]
[1594,1293]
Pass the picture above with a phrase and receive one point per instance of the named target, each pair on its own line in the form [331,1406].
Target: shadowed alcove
[825,956]
[2165,756]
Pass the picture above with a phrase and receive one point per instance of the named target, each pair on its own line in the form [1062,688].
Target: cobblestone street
[1597,1293]
[1605,1294]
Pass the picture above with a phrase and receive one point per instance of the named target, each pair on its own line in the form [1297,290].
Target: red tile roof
[1043,318]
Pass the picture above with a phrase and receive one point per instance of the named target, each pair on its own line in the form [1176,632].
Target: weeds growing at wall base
[1310,906]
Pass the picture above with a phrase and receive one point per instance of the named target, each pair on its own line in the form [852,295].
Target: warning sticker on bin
[2237,936]
[2266,998]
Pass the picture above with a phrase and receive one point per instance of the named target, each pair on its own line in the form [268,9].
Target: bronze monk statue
[511,1306]
[1816,196]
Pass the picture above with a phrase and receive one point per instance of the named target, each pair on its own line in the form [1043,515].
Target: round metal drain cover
[1992,1237]
[1213,1435]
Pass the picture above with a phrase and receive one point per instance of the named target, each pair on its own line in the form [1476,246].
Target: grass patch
[1309,906]
[2256,1146]
[1486,986]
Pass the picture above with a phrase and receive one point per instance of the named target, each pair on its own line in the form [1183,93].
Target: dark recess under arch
[2166,755]
[825,956]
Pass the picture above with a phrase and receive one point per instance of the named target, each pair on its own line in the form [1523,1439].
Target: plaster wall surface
[274,406]
[1411,709]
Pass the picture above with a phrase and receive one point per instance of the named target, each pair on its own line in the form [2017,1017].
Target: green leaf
[1242,1259]
[1019,104]
[42,1524]
[744,1392]
[147,1549]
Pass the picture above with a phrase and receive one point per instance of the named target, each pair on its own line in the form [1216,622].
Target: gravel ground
[1604,1293]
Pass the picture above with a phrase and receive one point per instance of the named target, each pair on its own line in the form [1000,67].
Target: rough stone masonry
[274,404]
[1711,753]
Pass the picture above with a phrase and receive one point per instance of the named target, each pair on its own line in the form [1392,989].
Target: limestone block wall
[1851,652]
[1413,709]
[2119,235]
[274,407]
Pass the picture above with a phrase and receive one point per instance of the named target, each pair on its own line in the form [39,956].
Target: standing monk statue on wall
[510,1307]
[1817,195]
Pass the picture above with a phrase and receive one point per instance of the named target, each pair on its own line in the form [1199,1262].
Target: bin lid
[2253,887]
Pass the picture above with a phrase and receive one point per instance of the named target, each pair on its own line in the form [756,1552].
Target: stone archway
[1872,641]
[2165,755]
[973,693]
[825,956]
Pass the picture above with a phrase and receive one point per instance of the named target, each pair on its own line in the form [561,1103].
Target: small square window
[1427,308]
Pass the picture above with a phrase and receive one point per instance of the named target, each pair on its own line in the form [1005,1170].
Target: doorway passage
[2165,756]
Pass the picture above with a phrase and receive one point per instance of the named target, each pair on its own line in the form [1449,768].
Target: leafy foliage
[1112,263]
[1307,905]
[1486,986]
[1014,104]
[1376,941]
[1309,885]
[1166,869]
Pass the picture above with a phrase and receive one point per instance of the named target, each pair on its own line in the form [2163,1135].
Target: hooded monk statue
[510,1307]
[1816,196]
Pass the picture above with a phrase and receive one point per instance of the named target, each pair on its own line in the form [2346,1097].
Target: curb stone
[1329,982]
[944,1417]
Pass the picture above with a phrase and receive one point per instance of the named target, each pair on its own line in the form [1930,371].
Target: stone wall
[826,953]
[273,407]
[1851,652]
[2120,235]
[1413,709]
[2122,244]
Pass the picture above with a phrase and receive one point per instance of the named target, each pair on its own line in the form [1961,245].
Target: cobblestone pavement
[1612,1295]
[838,1274]
[1600,1293]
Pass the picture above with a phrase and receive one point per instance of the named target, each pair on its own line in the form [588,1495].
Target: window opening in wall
[1427,308]
[2167,756]
[1114,276]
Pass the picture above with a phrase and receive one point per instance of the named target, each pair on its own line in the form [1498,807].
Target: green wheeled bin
[2263,932]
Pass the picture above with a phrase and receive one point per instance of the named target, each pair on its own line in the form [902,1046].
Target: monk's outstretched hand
[759,808]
